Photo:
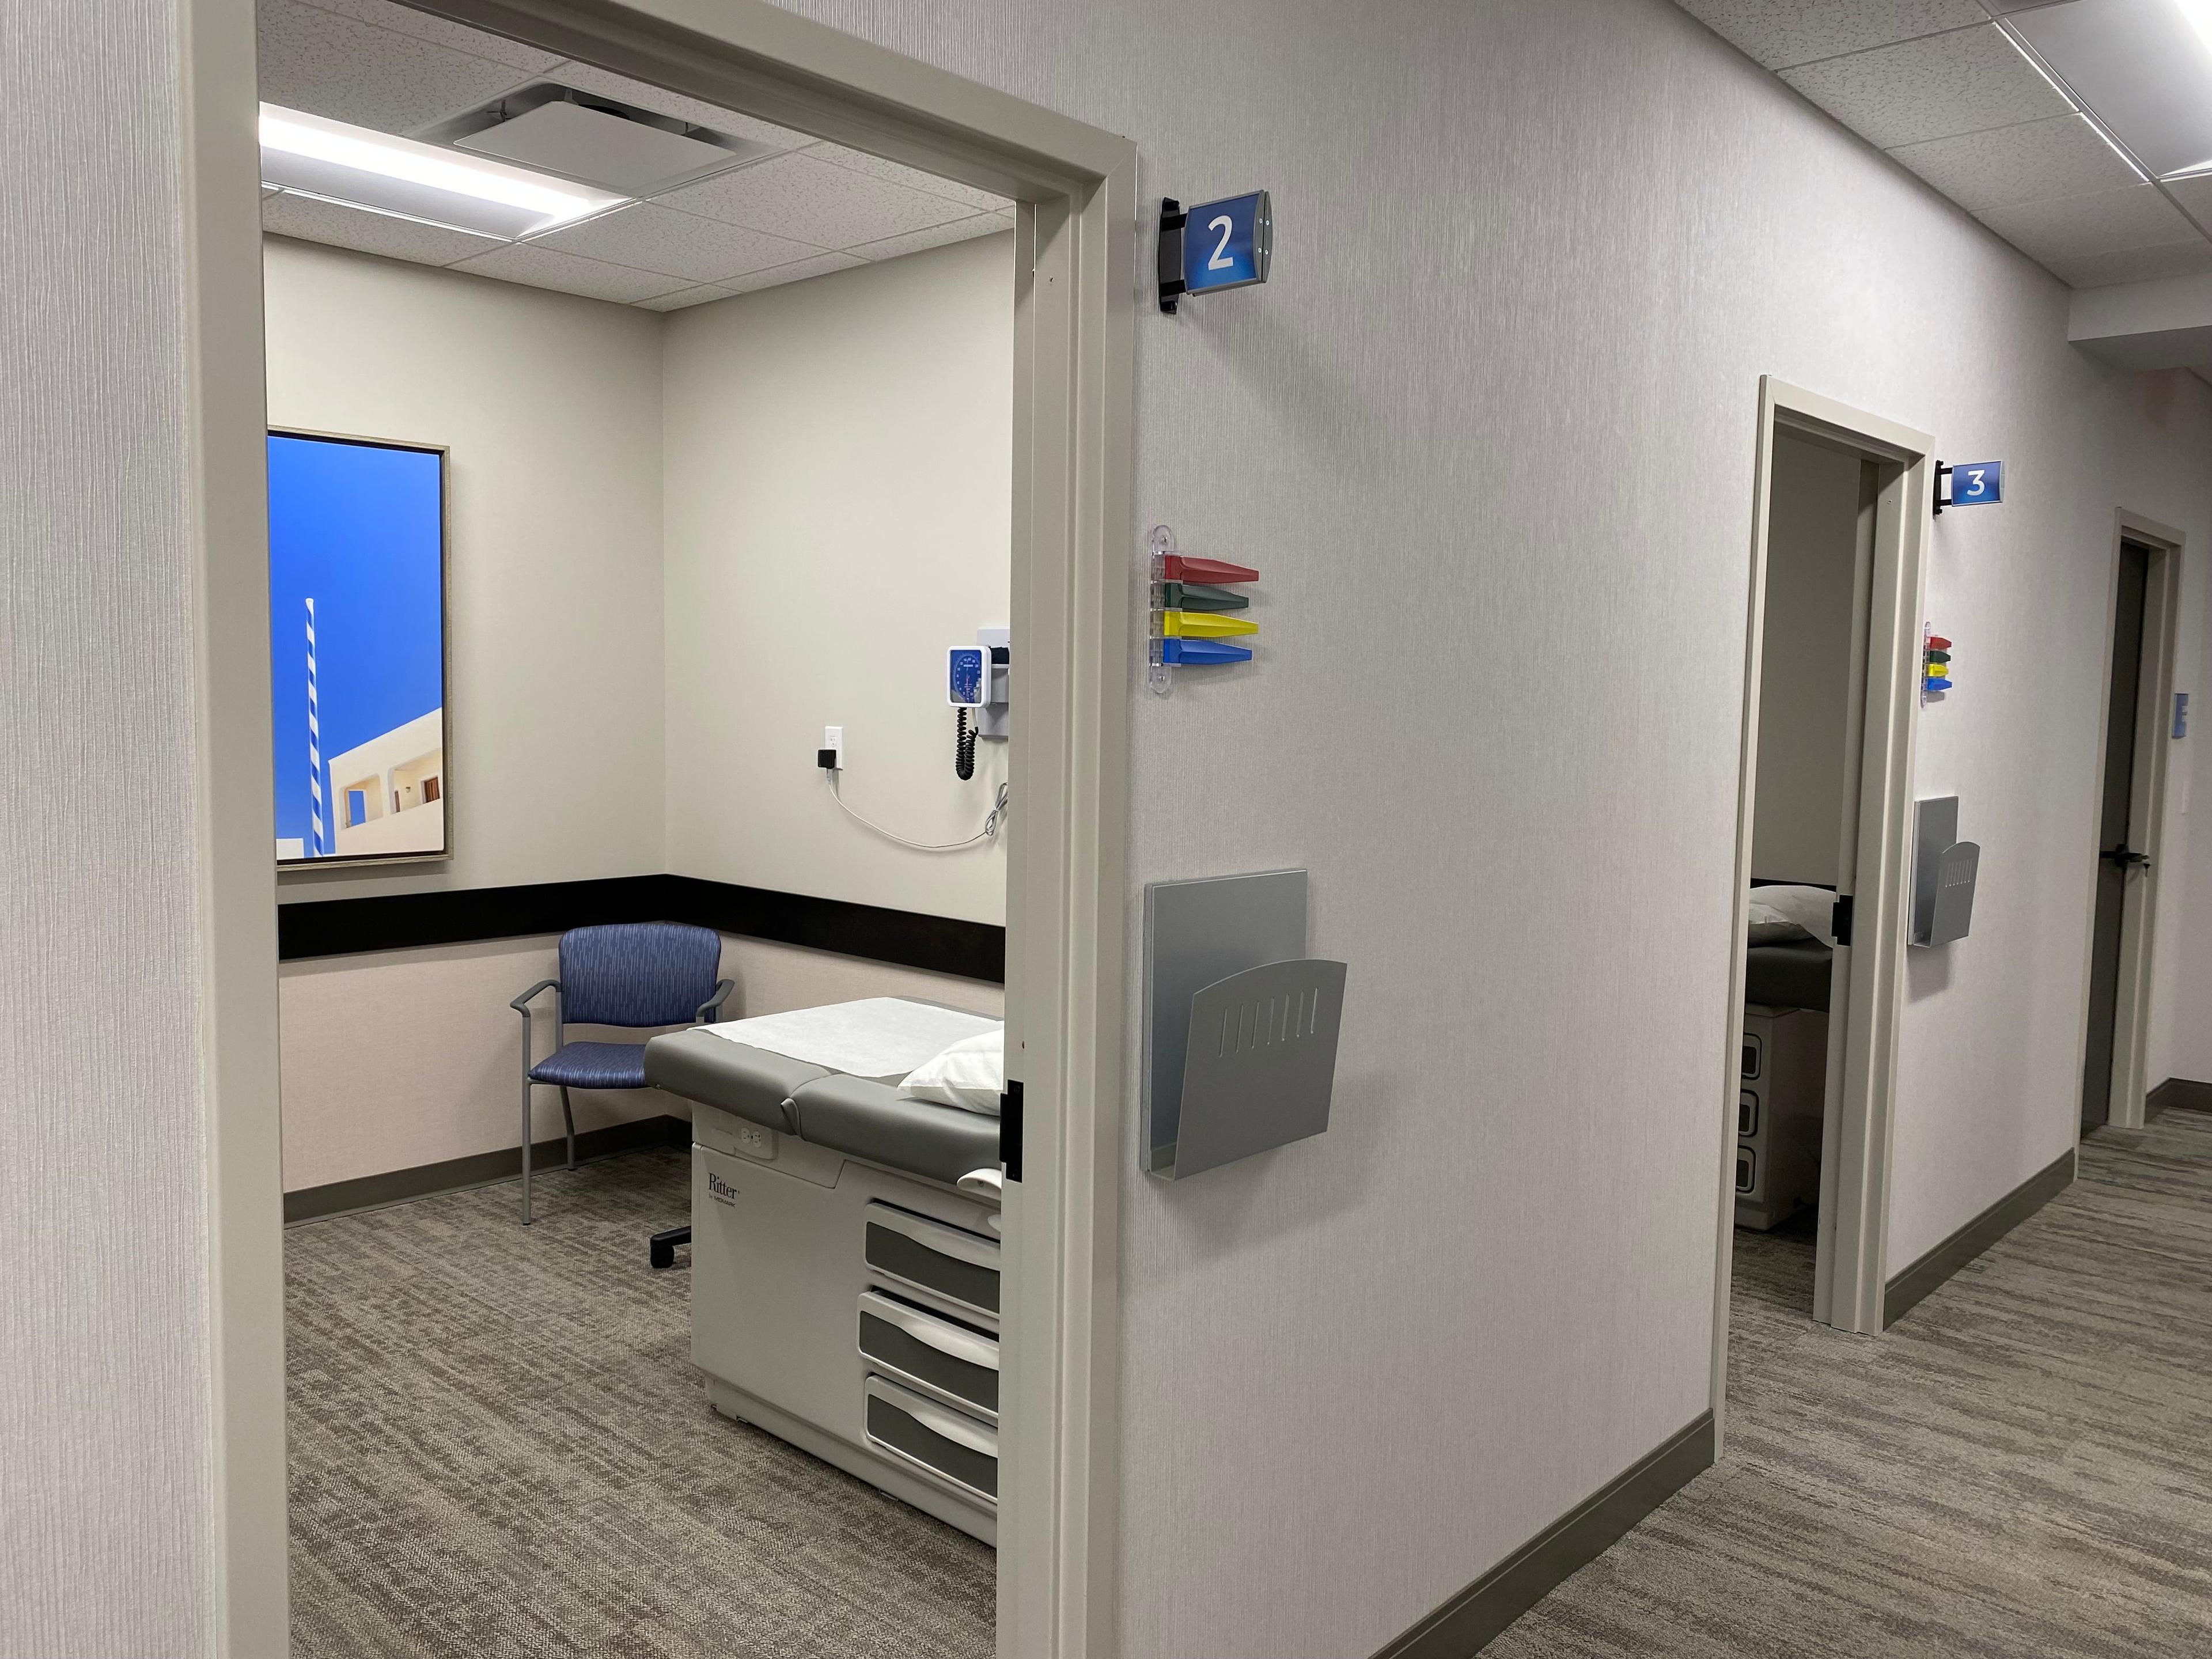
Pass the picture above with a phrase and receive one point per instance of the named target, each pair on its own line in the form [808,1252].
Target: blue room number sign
[1227,244]
[1976,483]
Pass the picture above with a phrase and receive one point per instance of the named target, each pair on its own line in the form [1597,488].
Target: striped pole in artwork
[316,845]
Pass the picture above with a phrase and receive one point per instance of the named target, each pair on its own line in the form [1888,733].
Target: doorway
[2130,805]
[1072,369]
[1830,657]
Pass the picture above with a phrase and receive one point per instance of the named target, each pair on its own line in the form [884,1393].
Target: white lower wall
[399,1058]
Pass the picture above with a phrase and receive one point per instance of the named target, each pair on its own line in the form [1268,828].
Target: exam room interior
[687,531]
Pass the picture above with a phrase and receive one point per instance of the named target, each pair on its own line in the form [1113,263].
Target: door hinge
[1010,1130]
[1839,923]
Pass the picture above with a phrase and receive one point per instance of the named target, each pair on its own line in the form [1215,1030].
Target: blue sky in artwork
[358,528]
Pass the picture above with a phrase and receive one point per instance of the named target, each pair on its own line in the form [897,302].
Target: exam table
[845,1250]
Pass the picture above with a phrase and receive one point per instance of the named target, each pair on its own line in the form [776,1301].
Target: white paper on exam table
[876,1037]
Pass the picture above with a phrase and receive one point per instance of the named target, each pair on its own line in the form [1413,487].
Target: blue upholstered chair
[633,974]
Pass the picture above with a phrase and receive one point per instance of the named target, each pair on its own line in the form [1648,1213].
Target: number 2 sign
[1223,245]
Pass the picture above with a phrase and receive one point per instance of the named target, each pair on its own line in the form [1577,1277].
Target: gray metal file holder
[1240,1024]
[1943,872]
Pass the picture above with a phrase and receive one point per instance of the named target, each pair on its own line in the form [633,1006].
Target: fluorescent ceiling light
[378,171]
[2142,68]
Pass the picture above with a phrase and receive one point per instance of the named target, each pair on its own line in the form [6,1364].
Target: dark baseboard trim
[1471,1619]
[1910,1287]
[2178,1094]
[480,1170]
[396,921]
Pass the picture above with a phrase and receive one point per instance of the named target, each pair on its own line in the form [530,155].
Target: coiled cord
[964,749]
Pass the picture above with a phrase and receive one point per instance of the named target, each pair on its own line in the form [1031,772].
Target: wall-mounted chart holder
[1194,617]
[1943,872]
[1240,1023]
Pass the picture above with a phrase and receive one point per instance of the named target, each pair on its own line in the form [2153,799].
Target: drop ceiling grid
[806,209]
[1940,88]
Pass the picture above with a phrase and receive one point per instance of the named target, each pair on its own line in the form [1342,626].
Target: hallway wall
[1488,434]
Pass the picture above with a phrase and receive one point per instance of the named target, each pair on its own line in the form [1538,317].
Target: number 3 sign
[1973,484]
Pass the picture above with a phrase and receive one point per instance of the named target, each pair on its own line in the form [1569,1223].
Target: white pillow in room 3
[1812,909]
[971,1074]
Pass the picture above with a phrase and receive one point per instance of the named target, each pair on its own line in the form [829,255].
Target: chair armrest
[713,1005]
[522,1003]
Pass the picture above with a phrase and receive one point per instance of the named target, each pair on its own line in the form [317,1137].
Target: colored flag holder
[1934,665]
[1193,615]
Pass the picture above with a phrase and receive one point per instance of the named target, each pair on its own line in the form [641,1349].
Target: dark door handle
[2123,854]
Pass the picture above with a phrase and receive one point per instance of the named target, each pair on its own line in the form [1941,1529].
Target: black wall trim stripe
[2179,1094]
[1471,1619]
[399,921]
[1910,1287]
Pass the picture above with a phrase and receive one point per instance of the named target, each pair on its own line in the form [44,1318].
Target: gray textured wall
[1489,434]
[107,1540]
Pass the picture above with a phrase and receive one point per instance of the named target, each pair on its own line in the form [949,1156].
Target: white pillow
[971,1074]
[1813,909]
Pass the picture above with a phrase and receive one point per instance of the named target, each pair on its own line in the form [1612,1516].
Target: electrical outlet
[754,1141]
[830,757]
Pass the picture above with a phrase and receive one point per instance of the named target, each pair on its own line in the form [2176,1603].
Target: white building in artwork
[388,795]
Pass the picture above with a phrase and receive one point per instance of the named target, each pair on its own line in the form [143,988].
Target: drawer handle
[975,1350]
[935,1235]
[948,1425]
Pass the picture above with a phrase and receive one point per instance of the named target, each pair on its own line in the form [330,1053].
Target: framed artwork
[358,648]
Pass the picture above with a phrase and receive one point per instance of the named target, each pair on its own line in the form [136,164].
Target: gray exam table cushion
[1794,975]
[865,1119]
[751,1082]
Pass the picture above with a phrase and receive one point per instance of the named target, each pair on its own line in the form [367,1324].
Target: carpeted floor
[2017,1470]
[500,1448]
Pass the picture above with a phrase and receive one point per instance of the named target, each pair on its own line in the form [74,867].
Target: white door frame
[1075,303]
[1848,1281]
[2130,1087]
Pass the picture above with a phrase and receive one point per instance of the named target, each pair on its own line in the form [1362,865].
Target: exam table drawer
[936,1439]
[959,1267]
[933,1355]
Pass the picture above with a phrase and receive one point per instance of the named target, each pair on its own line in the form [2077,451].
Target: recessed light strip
[2058,85]
[542,202]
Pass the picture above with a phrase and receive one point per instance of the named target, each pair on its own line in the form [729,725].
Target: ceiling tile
[2195,195]
[809,201]
[2135,264]
[334,66]
[316,220]
[589,78]
[683,297]
[912,178]
[1963,82]
[820,265]
[441,31]
[545,267]
[2071,227]
[1782,32]
[960,230]
[2062,156]
[654,238]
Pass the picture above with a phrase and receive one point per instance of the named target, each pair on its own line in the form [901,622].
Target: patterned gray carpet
[2018,1468]
[500,1448]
